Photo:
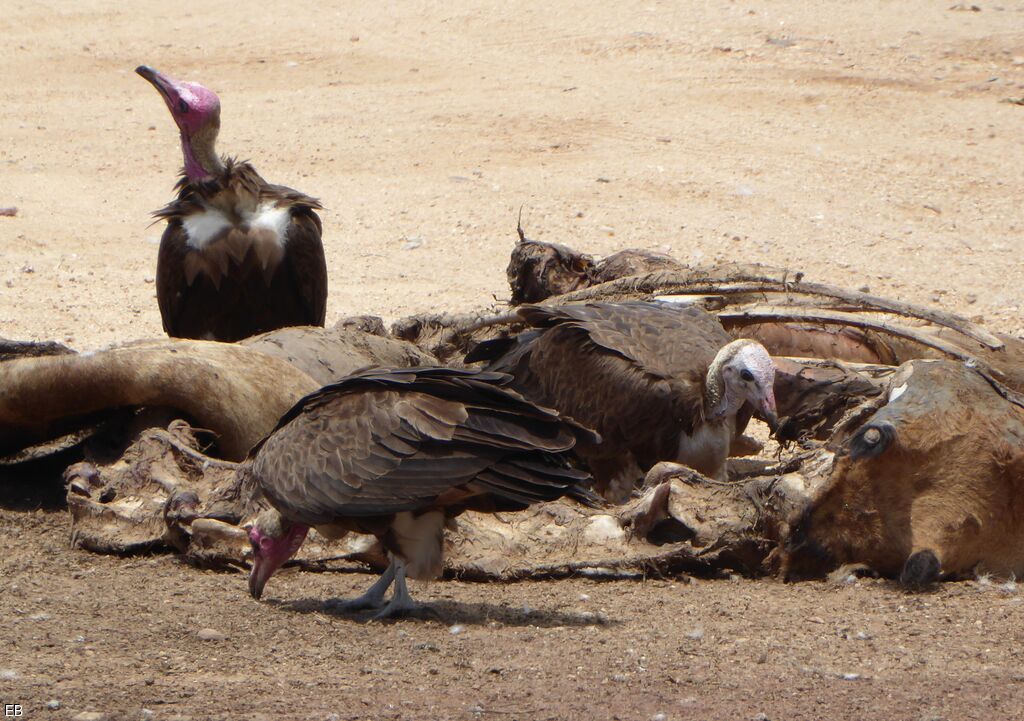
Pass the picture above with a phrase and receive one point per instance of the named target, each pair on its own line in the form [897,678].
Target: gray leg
[374,596]
[401,602]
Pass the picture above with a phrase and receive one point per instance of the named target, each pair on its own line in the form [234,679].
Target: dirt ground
[867,144]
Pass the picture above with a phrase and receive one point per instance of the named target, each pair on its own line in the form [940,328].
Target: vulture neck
[201,160]
[717,402]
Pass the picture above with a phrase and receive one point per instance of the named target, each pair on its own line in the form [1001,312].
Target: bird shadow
[452,613]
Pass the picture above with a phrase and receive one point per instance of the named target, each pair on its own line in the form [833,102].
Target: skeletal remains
[902,433]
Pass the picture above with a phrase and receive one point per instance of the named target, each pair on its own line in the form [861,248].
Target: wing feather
[387,441]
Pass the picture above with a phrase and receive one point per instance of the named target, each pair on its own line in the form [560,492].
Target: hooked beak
[167,87]
[258,576]
[769,412]
[162,83]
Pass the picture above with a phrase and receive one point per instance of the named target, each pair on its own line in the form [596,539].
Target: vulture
[396,453]
[657,381]
[239,256]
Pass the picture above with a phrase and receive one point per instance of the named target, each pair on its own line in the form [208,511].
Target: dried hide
[633,261]
[238,391]
[539,270]
[227,388]
[329,354]
[930,483]
[163,493]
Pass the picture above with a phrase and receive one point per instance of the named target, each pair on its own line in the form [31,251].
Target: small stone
[8,674]
[865,289]
[659,717]
[850,676]
[148,279]
[40,617]
[53,704]
[761,717]
[971,298]
[456,629]
[90,716]
[584,597]
[27,268]
[353,38]
[210,634]
[604,180]
[619,677]
[696,634]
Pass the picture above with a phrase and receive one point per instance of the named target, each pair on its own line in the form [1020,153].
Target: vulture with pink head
[657,381]
[396,453]
[239,256]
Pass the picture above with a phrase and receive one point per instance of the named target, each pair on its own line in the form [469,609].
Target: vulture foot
[401,603]
[374,596]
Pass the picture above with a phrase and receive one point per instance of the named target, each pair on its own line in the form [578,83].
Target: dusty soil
[865,143]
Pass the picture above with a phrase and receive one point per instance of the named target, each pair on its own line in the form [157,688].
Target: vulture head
[742,372]
[196,111]
[274,540]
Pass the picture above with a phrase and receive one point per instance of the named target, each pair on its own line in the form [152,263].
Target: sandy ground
[865,143]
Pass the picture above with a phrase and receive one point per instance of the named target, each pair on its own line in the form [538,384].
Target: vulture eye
[746,375]
[183,106]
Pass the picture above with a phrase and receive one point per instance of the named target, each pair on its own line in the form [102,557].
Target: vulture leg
[374,596]
[401,603]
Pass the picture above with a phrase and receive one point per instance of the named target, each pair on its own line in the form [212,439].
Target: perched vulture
[657,381]
[396,453]
[239,256]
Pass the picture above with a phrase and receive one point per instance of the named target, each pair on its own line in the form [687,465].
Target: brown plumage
[657,381]
[396,453]
[243,281]
[239,256]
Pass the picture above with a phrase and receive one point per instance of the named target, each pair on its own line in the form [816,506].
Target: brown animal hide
[234,391]
[633,261]
[814,396]
[329,354]
[238,391]
[930,483]
[163,493]
[538,270]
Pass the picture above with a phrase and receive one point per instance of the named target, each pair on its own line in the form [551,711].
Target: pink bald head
[274,540]
[192,106]
[196,111]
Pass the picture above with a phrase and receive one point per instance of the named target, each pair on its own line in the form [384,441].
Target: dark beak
[772,419]
[162,83]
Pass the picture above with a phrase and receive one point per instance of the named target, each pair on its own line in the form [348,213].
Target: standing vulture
[657,381]
[239,256]
[396,453]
